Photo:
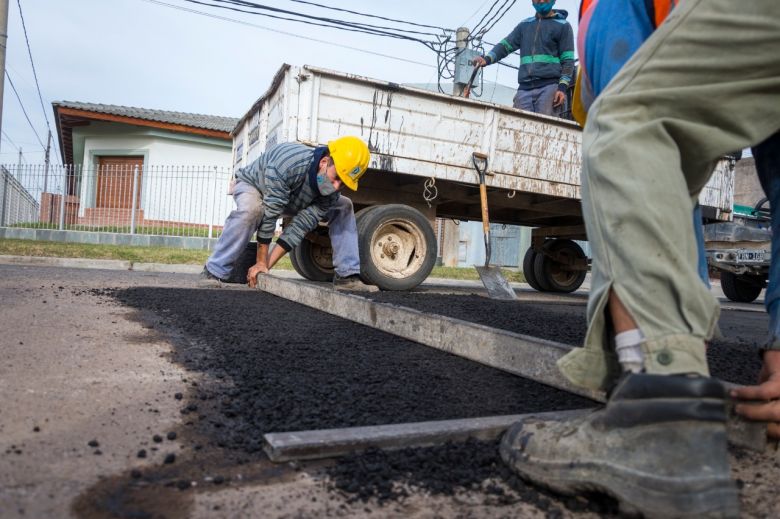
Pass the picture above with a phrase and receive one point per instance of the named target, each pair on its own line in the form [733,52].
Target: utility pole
[46,161]
[3,42]
[19,166]
[461,39]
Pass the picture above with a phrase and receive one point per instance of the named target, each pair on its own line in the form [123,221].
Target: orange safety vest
[657,11]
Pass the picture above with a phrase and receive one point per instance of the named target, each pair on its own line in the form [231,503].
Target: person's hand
[559,98]
[765,396]
[254,270]
[479,61]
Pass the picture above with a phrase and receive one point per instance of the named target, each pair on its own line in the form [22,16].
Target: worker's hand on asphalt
[479,61]
[254,270]
[559,98]
[765,397]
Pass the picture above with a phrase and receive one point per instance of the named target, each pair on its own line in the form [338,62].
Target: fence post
[64,196]
[6,174]
[134,204]
[213,202]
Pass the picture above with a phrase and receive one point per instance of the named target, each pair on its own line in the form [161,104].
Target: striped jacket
[286,176]
[546,51]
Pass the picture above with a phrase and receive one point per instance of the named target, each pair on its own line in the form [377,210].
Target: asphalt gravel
[272,365]
[733,357]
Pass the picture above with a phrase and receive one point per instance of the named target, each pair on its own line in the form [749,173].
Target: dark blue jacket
[546,48]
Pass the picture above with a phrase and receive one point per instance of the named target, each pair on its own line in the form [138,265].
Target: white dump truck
[422,150]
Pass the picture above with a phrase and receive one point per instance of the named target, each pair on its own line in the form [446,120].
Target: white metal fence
[17,205]
[135,199]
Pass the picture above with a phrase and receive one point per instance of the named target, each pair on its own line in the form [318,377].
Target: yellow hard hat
[350,156]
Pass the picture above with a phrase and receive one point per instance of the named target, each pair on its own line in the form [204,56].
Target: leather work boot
[659,447]
[208,280]
[352,283]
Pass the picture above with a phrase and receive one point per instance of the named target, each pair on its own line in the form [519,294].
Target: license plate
[751,256]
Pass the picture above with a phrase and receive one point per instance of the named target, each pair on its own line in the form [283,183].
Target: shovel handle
[483,203]
[480,161]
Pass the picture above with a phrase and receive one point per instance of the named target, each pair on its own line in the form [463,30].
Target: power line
[35,74]
[374,16]
[10,81]
[496,18]
[249,24]
[474,13]
[485,16]
[9,140]
[317,21]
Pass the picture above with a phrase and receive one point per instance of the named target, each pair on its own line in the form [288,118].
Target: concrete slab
[330,443]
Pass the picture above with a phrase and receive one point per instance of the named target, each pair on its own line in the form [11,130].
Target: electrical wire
[35,75]
[496,18]
[375,16]
[313,20]
[10,81]
[264,28]
[9,140]
[474,13]
[476,26]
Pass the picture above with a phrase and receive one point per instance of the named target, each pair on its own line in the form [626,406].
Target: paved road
[77,367]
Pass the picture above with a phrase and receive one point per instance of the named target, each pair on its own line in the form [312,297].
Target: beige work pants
[705,84]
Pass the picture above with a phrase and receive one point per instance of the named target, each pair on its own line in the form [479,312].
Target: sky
[143,54]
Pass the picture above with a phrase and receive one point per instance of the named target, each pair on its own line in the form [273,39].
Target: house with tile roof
[119,150]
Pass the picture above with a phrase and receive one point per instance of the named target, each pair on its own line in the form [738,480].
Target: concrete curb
[81,263]
[86,263]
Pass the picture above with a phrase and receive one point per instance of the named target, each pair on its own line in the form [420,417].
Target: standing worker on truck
[705,83]
[546,45]
[295,180]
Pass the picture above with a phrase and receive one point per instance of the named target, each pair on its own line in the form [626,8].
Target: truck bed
[415,135]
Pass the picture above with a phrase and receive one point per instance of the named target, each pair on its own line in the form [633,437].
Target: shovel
[496,284]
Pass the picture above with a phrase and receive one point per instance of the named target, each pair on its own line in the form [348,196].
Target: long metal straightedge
[331,443]
[518,354]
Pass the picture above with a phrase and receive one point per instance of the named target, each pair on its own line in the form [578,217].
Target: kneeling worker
[295,180]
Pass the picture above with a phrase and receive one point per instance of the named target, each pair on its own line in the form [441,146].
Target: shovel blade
[496,284]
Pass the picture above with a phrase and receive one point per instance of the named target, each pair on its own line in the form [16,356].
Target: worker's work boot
[352,283]
[659,447]
[209,280]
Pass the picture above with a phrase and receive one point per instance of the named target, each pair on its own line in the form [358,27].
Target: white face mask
[324,185]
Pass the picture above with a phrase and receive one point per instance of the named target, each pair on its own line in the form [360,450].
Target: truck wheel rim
[398,248]
[561,276]
[322,257]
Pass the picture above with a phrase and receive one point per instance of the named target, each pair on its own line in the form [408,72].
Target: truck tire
[741,289]
[528,269]
[313,261]
[397,246]
[549,273]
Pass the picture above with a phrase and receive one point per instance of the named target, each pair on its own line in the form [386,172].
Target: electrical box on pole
[463,66]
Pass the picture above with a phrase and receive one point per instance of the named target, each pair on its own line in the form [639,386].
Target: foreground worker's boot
[352,283]
[659,447]
[208,280]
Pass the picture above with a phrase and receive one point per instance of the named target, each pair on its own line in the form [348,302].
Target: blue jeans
[767,155]
[539,100]
[243,221]
[698,231]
